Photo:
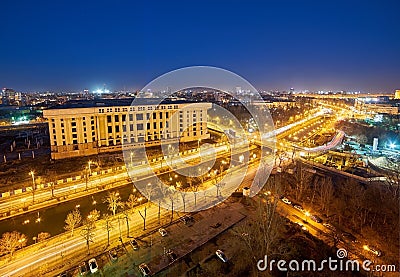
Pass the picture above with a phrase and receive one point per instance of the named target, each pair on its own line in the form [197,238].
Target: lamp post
[32,173]
[90,170]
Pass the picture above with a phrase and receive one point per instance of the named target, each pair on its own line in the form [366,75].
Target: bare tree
[42,236]
[162,191]
[108,226]
[126,212]
[262,235]
[72,221]
[93,216]
[326,194]
[113,200]
[143,215]
[172,196]
[11,241]
[87,233]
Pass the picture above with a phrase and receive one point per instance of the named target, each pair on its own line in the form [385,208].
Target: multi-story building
[80,128]
[397,94]
[10,97]
[376,106]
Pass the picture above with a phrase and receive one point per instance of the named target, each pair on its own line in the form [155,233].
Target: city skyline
[314,46]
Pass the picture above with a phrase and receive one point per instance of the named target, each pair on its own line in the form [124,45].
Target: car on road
[304,228]
[171,255]
[187,219]
[83,268]
[221,255]
[286,201]
[113,254]
[163,232]
[144,269]
[316,218]
[134,244]
[374,251]
[93,265]
[329,226]
[349,237]
[298,207]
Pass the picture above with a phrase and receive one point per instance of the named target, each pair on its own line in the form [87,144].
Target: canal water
[52,218]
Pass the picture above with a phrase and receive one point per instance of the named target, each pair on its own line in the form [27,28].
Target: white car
[144,269]
[163,232]
[304,228]
[221,255]
[93,265]
[286,201]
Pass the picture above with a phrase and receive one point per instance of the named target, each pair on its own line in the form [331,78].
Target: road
[24,199]
[23,264]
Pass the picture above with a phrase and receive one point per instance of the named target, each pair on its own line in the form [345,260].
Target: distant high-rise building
[10,97]
[397,94]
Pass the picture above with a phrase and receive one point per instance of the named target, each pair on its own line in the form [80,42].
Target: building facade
[91,127]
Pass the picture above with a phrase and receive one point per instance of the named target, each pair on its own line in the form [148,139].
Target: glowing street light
[32,173]
[90,169]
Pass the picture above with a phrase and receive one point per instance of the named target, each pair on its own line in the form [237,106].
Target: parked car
[298,207]
[163,232]
[349,237]
[134,244]
[316,218]
[93,265]
[171,255]
[187,219]
[113,255]
[286,201]
[304,228]
[83,268]
[221,255]
[144,269]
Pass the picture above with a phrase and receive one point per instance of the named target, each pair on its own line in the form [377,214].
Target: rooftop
[119,102]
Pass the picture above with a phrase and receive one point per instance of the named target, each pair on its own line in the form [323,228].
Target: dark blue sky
[273,44]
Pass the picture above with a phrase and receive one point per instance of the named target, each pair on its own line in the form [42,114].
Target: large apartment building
[88,127]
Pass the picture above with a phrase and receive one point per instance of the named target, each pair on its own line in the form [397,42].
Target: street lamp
[90,169]
[198,144]
[32,173]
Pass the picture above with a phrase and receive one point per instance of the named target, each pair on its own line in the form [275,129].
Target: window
[154,116]
[123,117]
[108,118]
[160,125]
[148,126]
[130,117]
[110,129]
[167,115]
[117,129]
[131,127]
[139,126]
[154,125]
[139,116]
[116,118]
[160,115]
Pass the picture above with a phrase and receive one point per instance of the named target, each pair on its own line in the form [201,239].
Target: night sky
[275,45]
